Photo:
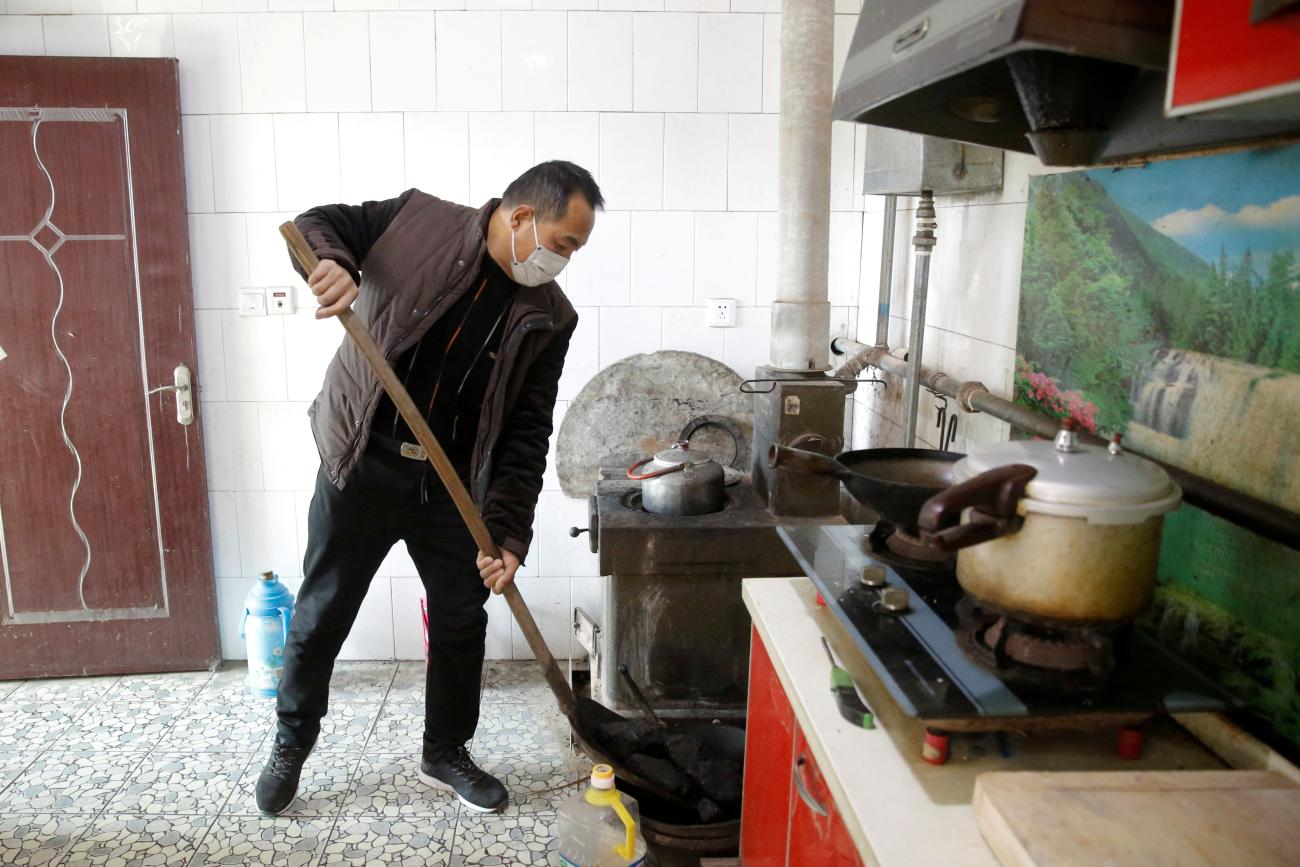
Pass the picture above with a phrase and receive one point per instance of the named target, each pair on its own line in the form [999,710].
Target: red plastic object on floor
[935,749]
[1128,744]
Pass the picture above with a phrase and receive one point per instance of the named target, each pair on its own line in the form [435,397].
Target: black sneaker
[455,770]
[278,784]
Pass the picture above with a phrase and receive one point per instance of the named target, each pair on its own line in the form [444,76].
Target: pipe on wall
[886,270]
[801,313]
[923,241]
[1272,522]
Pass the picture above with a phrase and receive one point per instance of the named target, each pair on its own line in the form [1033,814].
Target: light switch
[252,302]
[279,300]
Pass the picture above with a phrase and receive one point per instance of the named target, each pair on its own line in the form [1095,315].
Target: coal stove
[960,665]
[671,620]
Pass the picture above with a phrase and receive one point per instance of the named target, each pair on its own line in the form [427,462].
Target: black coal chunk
[661,773]
[685,752]
[627,737]
[707,810]
[719,779]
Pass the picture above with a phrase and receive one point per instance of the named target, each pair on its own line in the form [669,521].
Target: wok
[894,483]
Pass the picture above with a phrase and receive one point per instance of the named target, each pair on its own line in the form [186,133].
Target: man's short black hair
[549,186]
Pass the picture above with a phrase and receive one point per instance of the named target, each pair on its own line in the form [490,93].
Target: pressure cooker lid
[1080,480]
[681,453]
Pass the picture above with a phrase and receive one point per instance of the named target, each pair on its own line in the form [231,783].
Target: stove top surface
[918,656]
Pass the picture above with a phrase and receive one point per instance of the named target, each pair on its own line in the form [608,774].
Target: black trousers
[349,533]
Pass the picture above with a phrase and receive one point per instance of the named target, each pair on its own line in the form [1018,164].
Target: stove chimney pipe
[801,315]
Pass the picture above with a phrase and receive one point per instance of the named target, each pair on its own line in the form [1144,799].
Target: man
[463,303]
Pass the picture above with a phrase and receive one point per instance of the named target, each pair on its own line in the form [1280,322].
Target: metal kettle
[677,481]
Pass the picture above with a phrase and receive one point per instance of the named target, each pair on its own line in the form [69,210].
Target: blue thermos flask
[268,610]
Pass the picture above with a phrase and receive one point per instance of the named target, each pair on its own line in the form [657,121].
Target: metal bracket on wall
[842,380]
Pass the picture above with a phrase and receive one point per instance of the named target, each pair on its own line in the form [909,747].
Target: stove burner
[901,549]
[1041,653]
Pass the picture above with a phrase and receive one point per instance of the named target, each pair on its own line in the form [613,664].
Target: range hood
[1075,82]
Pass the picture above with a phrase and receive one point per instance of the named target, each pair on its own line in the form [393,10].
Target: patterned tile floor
[159,770]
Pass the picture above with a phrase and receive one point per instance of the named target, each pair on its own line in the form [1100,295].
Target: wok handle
[991,496]
[801,461]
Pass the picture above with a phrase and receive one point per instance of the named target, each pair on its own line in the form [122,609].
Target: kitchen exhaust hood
[1074,81]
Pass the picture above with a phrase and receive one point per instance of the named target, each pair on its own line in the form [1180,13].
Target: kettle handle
[641,477]
[992,497]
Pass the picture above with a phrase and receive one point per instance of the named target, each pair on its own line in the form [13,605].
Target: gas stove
[958,665]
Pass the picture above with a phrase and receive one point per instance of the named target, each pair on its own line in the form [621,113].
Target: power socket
[721,313]
[252,302]
[279,300]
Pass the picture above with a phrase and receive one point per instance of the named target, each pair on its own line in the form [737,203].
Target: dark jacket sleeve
[345,233]
[521,451]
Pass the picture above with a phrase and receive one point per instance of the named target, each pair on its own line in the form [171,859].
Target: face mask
[542,265]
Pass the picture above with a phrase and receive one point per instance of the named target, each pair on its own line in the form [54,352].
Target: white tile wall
[670,103]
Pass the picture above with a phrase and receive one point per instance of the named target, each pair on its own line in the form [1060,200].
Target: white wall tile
[628,331]
[695,162]
[685,329]
[218,259]
[398,563]
[300,5]
[243,162]
[756,6]
[196,140]
[562,5]
[268,533]
[212,356]
[697,5]
[600,273]
[469,61]
[726,257]
[550,480]
[844,25]
[407,626]
[76,36]
[403,68]
[169,6]
[500,149]
[208,49]
[600,61]
[372,632]
[848,7]
[82,6]
[563,556]
[231,593]
[845,258]
[665,61]
[731,62]
[289,458]
[51,7]
[583,359]
[548,601]
[771,63]
[568,135]
[437,154]
[309,345]
[844,181]
[22,34]
[663,255]
[141,36]
[364,5]
[271,62]
[307,160]
[225,534]
[975,273]
[631,160]
[534,61]
[500,624]
[232,446]
[769,252]
[752,162]
[338,61]
[631,5]
[268,259]
[234,5]
[254,356]
[748,345]
[371,156]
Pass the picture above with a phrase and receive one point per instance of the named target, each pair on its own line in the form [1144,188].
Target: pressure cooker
[1060,530]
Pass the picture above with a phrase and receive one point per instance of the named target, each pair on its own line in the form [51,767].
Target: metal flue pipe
[1270,521]
[801,314]
[886,270]
[923,241]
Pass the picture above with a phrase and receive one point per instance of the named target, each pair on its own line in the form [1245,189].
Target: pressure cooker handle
[634,475]
[803,461]
[992,498]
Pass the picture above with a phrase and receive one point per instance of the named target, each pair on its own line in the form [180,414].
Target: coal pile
[698,763]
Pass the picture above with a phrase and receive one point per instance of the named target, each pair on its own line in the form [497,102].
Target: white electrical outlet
[279,300]
[721,312]
[252,302]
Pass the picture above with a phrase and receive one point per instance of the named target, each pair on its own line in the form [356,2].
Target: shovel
[583,715]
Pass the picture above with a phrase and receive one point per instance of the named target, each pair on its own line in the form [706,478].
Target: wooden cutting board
[1146,818]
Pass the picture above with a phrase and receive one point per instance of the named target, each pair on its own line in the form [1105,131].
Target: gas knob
[895,599]
[872,576]
[575,532]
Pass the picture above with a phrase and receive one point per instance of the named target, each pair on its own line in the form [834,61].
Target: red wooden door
[818,837]
[769,749]
[104,540]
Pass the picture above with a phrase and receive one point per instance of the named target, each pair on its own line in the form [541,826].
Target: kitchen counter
[897,809]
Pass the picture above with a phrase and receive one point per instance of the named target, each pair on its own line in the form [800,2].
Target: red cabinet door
[769,748]
[818,837]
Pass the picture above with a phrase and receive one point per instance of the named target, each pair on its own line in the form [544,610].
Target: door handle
[802,788]
[182,384]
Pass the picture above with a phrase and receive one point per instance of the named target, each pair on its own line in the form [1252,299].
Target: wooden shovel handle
[306,258]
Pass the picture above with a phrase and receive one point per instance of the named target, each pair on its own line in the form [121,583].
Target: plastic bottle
[268,610]
[601,827]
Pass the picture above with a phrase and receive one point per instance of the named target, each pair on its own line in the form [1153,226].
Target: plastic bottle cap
[602,777]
